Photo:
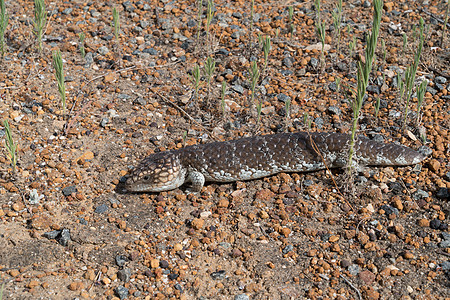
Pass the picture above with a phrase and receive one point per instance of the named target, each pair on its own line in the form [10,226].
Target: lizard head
[158,172]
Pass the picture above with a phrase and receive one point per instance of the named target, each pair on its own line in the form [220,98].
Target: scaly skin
[260,156]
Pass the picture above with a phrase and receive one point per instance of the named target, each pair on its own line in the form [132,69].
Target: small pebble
[218,275]
[124,274]
[121,260]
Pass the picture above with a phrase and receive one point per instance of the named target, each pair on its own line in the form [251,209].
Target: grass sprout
[184,137]
[377,106]
[209,16]
[405,42]
[199,16]
[11,146]
[116,23]
[444,27]
[337,81]
[1,290]
[337,21]
[209,68]
[40,18]
[195,78]
[290,17]
[384,51]
[252,13]
[400,85]
[307,121]
[410,74]
[287,109]
[259,110]
[260,39]
[222,96]
[290,13]
[352,46]
[266,50]
[364,70]
[420,96]
[59,73]
[320,30]
[254,77]
[4,18]
[82,36]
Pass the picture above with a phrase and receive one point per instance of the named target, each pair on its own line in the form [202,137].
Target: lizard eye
[146,177]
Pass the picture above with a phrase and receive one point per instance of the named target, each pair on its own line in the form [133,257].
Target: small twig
[406,188]
[442,252]
[121,70]
[69,121]
[69,124]
[359,223]
[95,280]
[23,82]
[48,22]
[351,285]
[316,149]
[264,232]
[185,113]
[432,15]
[440,73]
[12,278]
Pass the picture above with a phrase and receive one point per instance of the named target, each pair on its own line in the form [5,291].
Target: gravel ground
[67,231]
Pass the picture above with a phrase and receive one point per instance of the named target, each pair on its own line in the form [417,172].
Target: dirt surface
[67,230]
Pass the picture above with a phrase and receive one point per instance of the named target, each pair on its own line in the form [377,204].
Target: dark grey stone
[67,11]
[223,51]
[123,96]
[374,89]
[425,150]
[219,275]
[444,244]
[419,194]
[101,209]
[64,237]
[443,193]
[164,264]
[334,110]
[241,297]
[283,98]
[314,62]
[288,61]
[431,90]
[238,88]
[354,269]
[333,87]
[288,249]
[104,122]
[390,210]
[140,101]
[150,51]
[69,190]
[121,292]
[124,274]
[121,260]
[51,235]
[445,265]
